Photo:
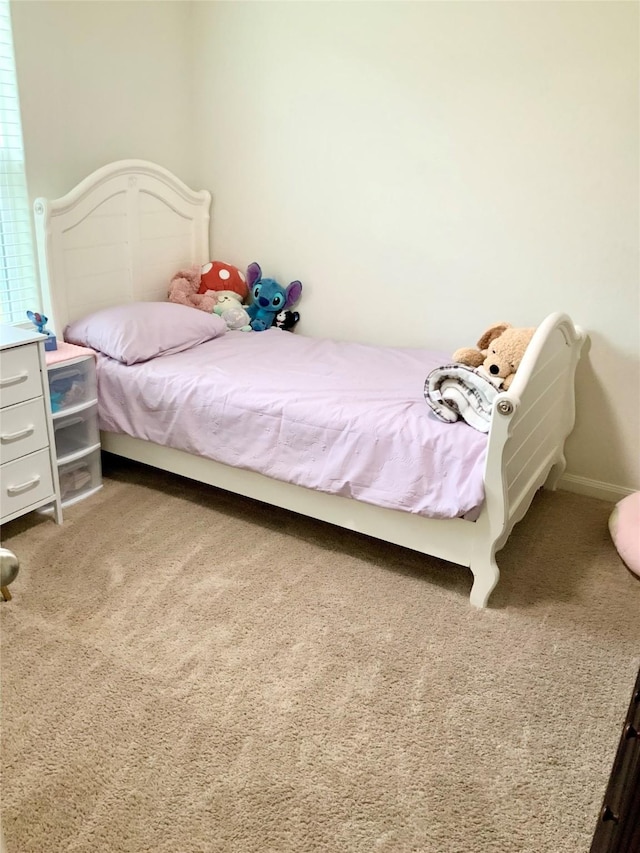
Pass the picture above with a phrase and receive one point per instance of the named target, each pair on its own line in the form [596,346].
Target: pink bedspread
[343,418]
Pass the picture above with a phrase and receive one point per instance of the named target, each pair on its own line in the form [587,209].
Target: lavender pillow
[139,331]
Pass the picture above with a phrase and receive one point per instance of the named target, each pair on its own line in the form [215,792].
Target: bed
[116,239]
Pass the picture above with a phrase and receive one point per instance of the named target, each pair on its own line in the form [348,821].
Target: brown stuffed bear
[184,290]
[500,351]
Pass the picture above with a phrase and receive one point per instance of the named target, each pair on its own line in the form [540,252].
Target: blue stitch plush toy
[40,321]
[269,298]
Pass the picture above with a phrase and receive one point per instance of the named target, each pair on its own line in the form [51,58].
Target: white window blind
[18,284]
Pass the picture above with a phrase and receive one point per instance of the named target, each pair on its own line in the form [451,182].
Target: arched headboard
[118,236]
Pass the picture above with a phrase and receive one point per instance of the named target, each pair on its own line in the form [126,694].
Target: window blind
[18,284]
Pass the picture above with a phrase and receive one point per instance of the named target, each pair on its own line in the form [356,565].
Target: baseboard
[593,488]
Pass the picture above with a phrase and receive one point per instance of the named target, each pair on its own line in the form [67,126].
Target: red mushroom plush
[219,276]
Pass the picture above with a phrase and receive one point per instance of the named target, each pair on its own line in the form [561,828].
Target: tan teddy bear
[499,352]
[184,290]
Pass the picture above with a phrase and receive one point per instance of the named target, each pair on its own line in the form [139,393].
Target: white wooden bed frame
[121,234]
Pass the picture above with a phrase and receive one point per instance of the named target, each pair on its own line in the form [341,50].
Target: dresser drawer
[19,375]
[81,477]
[76,433]
[72,385]
[25,481]
[23,429]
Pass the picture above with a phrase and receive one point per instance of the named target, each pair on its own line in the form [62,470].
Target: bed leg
[485,577]
[556,473]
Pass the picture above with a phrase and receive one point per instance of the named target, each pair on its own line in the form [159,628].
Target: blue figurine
[40,321]
[269,298]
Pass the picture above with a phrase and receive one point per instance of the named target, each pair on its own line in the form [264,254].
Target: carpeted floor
[185,671]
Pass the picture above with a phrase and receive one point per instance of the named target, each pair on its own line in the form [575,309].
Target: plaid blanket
[457,391]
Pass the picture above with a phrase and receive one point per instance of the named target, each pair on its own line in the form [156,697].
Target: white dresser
[28,470]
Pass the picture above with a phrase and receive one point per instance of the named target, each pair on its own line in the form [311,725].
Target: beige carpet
[184,670]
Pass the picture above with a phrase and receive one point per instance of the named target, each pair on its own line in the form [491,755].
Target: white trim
[594,488]
[19,290]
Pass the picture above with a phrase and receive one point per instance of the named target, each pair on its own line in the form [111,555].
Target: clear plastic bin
[76,432]
[80,478]
[72,385]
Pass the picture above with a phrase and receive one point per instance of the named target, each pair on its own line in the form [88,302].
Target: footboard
[529,426]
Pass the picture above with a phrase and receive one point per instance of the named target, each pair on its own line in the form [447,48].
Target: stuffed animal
[218,276]
[40,322]
[9,568]
[232,311]
[269,298]
[286,320]
[184,290]
[624,526]
[499,352]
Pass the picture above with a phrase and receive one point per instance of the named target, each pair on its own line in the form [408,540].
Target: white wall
[100,81]
[424,168]
[428,168]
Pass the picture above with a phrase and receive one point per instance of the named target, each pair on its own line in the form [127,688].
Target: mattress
[339,417]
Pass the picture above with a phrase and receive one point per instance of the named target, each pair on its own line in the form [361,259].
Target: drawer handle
[14,436]
[70,422]
[11,380]
[15,490]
